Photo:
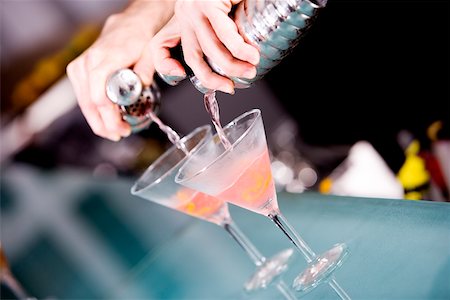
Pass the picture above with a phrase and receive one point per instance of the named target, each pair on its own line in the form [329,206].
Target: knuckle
[191,61]
[111,19]
[70,68]
[74,67]
[93,56]
[180,9]
[228,66]
[236,49]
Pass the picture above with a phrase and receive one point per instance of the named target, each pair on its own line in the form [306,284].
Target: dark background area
[366,70]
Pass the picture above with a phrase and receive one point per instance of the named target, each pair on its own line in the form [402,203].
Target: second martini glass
[158,184]
[241,174]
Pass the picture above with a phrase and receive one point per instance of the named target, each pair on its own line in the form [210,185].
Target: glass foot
[269,270]
[320,269]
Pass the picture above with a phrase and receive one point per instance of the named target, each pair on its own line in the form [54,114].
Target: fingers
[112,120]
[88,108]
[217,52]
[168,68]
[207,31]
[102,115]
[228,34]
[193,55]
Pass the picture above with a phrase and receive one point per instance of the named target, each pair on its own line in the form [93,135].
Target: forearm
[151,15]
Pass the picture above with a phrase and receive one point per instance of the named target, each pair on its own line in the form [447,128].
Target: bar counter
[95,240]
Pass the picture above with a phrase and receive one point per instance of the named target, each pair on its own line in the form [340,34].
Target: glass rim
[230,124]
[135,190]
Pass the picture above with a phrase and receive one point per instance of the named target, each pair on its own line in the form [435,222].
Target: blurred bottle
[439,136]
[422,175]
[413,174]
[47,71]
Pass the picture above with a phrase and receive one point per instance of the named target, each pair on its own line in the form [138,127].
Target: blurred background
[360,108]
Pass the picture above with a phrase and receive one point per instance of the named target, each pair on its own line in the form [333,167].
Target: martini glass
[157,184]
[241,175]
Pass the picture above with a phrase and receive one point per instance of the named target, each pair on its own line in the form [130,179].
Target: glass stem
[286,291]
[301,245]
[290,232]
[338,289]
[257,258]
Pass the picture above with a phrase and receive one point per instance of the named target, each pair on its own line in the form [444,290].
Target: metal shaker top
[125,88]
[274,27]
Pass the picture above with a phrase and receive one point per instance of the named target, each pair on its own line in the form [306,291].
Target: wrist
[151,15]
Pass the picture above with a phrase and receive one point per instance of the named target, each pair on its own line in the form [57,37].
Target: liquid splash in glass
[171,134]
[212,107]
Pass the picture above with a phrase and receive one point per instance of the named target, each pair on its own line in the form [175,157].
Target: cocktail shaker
[125,88]
[274,27]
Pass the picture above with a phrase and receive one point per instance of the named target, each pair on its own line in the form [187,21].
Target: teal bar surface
[399,249]
[101,242]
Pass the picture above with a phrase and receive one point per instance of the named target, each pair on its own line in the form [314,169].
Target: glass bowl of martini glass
[157,184]
[241,174]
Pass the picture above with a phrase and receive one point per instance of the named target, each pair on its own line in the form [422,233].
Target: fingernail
[172,79]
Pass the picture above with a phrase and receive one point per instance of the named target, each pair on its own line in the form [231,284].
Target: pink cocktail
[158,184]
[254,188]
[241,174]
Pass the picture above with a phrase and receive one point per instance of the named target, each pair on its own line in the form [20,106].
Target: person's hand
[120,45]
[205,29]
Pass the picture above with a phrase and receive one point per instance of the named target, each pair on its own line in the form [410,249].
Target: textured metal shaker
[274,27]
[125,88]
